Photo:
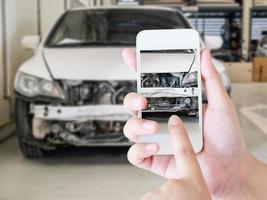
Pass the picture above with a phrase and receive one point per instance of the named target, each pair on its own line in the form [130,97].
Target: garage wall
[29,17]
[50,11]
[22,18]
[4,104]
[1,55]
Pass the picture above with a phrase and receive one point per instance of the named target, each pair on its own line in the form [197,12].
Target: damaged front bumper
[93,125]
[80,113]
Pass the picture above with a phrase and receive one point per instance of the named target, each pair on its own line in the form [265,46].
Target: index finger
[184,154]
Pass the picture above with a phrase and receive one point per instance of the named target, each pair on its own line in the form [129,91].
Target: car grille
[97,92]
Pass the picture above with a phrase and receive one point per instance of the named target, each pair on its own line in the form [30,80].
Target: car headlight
[32,86]
[190,79]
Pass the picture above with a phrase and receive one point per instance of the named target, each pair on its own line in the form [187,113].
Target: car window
[109,27]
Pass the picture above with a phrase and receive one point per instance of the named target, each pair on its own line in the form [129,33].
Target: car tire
[23,131]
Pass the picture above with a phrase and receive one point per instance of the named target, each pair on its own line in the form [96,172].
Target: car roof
[125,8]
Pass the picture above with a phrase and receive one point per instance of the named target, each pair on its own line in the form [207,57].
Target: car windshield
[110,27]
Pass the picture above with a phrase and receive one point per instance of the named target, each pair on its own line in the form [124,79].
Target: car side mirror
[30,42]
[213,42]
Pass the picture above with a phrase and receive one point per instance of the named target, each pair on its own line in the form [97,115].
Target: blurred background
[59,57]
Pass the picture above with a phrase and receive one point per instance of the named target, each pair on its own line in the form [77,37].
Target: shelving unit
[258,26]
[224,21]
[206,3]
[214,17]
[164,2]
[217,3]
[129,2]
[239,22]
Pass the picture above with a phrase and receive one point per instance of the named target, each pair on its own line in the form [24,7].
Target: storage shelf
[210,18]
[259,8]
[202,9]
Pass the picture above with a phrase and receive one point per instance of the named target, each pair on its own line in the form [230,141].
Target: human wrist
[254,179]
[249,182]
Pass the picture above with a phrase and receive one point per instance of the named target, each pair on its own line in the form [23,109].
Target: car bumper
[62,121]
[80,113]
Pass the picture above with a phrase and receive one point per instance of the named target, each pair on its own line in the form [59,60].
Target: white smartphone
[168,75]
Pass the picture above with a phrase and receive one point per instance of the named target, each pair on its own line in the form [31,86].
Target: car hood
[87,64]
[92,64]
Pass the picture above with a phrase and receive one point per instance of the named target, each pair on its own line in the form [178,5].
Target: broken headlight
[190,79]
[32,86]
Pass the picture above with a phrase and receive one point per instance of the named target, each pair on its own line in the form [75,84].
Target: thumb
[215,91]
[184,154]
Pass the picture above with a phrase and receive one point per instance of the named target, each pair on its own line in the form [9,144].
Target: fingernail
[174,120]
[151,147]
[148,125]
[135,102]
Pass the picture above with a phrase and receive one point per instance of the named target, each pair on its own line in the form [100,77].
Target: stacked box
[239,72]
[260,3]
[260,69]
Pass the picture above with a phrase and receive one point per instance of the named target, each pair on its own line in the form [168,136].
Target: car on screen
[71,91]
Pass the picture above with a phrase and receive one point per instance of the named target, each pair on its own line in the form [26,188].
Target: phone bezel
[172,39]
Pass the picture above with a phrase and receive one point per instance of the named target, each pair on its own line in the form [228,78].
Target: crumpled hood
[103,63]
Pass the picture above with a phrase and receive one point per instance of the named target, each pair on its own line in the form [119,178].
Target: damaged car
[71,91]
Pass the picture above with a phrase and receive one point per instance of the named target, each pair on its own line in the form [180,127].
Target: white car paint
[35,66]
[85,64]
[92,63]
[170,63]
[169,92]
[75,65]
[81,113]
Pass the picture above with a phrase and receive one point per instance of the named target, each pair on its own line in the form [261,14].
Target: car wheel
[24,133]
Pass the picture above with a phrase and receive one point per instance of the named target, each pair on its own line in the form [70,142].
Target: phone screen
[170,80]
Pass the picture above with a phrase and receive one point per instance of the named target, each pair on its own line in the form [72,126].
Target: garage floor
[99,173]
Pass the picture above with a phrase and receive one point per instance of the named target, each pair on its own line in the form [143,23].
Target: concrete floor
[102,173]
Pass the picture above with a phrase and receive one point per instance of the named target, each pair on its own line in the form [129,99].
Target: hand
[191,184]
[224,157]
